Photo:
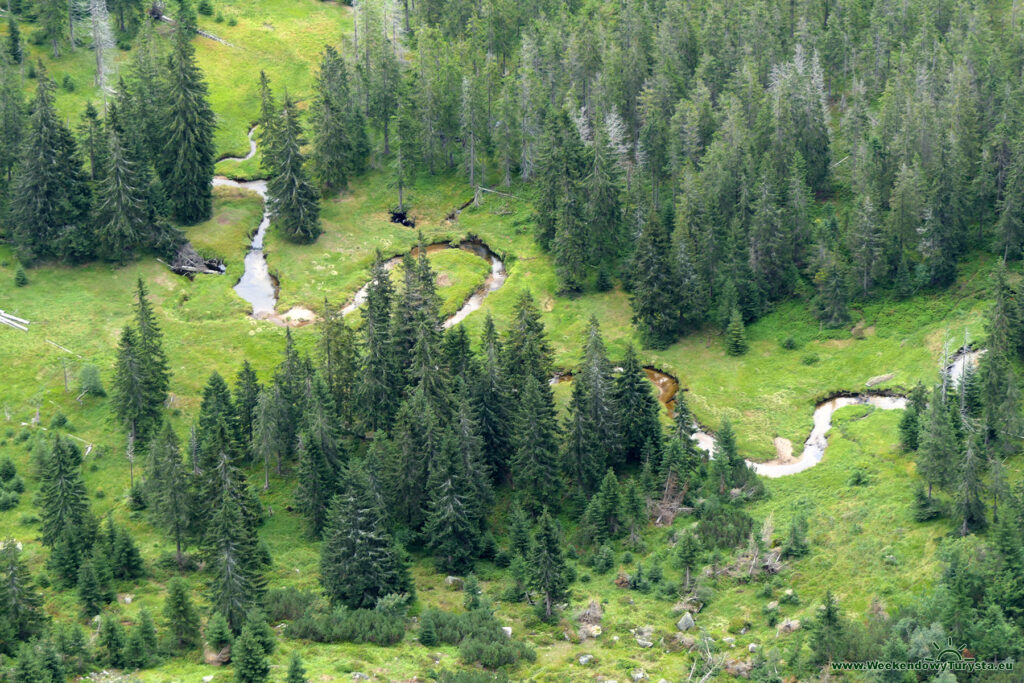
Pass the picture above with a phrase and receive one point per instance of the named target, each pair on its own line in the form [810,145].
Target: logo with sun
[950,653]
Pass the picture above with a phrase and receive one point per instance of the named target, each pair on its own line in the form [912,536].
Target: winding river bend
[814,447]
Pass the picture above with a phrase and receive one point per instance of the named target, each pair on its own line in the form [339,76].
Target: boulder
[643,642]
[685,622]
[589,631]
[752,648]
[789,625]
[735,667]
[730,641]
[507,630]
[453,582]
[207,679]
[359,676]
[688,642]
[213,658]
[774,604]
[584,660]
[878,379]
[592,614]
[638,675]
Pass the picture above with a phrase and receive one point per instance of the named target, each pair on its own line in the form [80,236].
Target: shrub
[232,21]
[89,382]
[218,633]
[59,420]
[343,625]
[722,526]
[219,18]
[7,469]
[205,8]
[287,604]
[604,560]
[859,477]
[20,278]
[17,485]
[68,83]
[789,344]
[8,500]
[810,359]
[479,637]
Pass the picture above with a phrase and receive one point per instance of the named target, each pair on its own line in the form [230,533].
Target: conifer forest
[473,341]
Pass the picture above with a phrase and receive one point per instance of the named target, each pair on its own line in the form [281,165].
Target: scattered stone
[126,598]
[507,630]
[589,631]
[615,639]
[878,379]
[643,642]
[585,659]
[788,592]
[789,625]
[622,580]
[687,642]
[752,648]
[592,614]
[740,668]
[774,604]
[638,675]
[685,622]
[453,582]
[207,679]
[730,641]
[359,676]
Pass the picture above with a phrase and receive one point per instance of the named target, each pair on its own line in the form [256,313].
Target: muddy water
[494,280]
[256,285]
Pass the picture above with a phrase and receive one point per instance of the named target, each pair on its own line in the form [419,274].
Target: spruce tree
[654,280]
[910,421]
[535,462]
[249,659]
[20,601]
[450,526]
[592,428]
[14,47]
[133,398]
[168,486]
[180,616]
[340,144]
[111,642]
[122,204]
[735,335]
[266,441]
[316,484]
[601,188]
[187,156]
[637,413]
[828,631]
[292,200]
[548,573]
[377,388]
[937,449]
[339,357]
[156,369]
[688,552]
[492,404]
[296,672]
[526,351]
[246,394]
[63,501]
[406,127]
[359,561]
[50,197]
[970,510]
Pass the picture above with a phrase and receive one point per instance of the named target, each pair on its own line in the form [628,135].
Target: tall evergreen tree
[492,403]
[20,601]
[970,509]
[654,297]
[340,145]
[180,616]
[938,447]
[317,481]
[292,200]
[187,159]
[451,526]
[548,573]
[63,501]
[378,385]
[637,412]
[526,349]
[359,561]
[249,659]
[170,487]
[123,213]
[50,196]
[535,462]
[592,428]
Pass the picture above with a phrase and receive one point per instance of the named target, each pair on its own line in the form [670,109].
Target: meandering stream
[814,447]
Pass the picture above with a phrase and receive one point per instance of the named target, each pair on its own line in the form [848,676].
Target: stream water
[256,284]
[816,443]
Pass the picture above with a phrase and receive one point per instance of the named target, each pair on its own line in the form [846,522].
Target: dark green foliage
[340,144]
[535,462]
[218,632]
[110,644]
[796,537]
[735,335]
[50,198]
[479,637]
[170,495]
[359,561]
[14,48]
[969,508]
[63,501]
[180,617]
[249,659]
[20,601]
[722,525]
[89,382]
[187,156]
[344,625]
[20,278]
[451,525]
[828,632]
[655,296]
[256,623]
[910,421]
[938,447]
[546,566]
[292,199]
[296,672]
[492,404]
[636,413]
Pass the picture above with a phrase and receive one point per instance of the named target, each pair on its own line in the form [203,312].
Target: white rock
[752,647]
[207,679]
[359,676]
[586,659]
[730,641]
[643,642]
[507,630]
[685,622]
[638,675]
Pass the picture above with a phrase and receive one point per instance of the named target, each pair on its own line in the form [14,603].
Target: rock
[789,625]
[788,592]
[738,668]
[615,639]
[217,658]
[730,641]
[585,659]
[638,675]
[878,379]
[207,679]
[774,604]
[685,622]
[507,630]
[643,642]
[752,648]
[622,580]
[453,582]
[590,631]
[359,676]
[592,614]
[687,642]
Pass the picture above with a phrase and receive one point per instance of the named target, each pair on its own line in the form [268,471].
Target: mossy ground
[864,544]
